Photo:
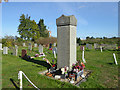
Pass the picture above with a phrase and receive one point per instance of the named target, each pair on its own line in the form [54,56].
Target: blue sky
[95,19]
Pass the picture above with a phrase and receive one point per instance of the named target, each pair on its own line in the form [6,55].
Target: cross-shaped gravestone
[40,49]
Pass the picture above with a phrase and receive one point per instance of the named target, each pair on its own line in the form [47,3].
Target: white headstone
[40,49]
[35,45]
[54,44]
[1,46]
[101,48]
[23,44]
[5,50]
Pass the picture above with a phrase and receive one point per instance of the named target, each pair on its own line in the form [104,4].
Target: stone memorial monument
[66,41]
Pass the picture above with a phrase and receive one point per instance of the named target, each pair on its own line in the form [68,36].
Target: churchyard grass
[104,71]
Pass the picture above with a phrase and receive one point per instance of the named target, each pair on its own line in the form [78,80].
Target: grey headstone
[30,46]
[54,49]
[5,50]
[66,41]
[89,46]
[40,49]
[15,51]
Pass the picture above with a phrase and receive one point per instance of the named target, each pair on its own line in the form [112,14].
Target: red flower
[53,65]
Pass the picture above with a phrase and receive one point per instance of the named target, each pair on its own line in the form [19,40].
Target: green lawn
[104,72]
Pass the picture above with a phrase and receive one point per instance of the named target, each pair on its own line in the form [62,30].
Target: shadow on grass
[13,82]
[43,63]
[110,63]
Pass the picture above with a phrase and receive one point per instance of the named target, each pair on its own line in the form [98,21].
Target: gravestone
[95,45]
[66,41]
[24,53]
[35,45]
[23,44]
[54,44]
[0,46]
[81,47]
[110,47]
[54,49]
[5,50]
[30,46]
[40,49]
[89,46]
[15,51]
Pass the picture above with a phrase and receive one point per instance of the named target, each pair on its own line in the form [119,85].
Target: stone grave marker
[15,51]
[40,49]
[1,46]
[23,44]
[81,47]
[24,53]
[54,49]
[54,44]
[30,46]
[110,47]
[5,50]
[35,45]
[66,41]
[89,46]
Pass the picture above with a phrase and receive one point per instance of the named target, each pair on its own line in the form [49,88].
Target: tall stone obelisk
[66,41]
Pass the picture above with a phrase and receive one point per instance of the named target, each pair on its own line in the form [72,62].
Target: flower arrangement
[78,67]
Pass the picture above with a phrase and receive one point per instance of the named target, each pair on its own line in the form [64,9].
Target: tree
[87,37]
[42,29]
[28,29]
[79,40]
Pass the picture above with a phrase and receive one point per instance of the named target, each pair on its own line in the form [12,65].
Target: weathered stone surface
[66,41]
[5,50]
[66,20]
[40,49]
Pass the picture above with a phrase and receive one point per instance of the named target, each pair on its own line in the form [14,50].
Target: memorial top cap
[66,20]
